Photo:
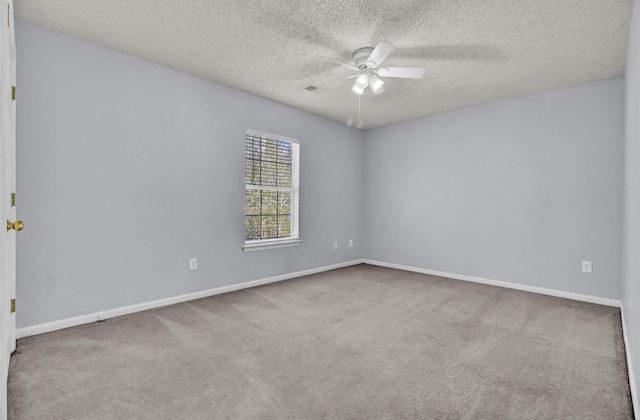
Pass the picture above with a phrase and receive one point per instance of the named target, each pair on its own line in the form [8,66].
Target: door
[7,198]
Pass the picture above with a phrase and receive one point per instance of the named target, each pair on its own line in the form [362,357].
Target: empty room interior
[320,210]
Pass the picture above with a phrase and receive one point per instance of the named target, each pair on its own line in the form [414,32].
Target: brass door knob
[18,225]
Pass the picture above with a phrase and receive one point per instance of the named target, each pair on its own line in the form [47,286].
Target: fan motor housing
[360,56]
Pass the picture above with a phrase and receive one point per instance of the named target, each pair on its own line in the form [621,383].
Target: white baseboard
[508,285]
[632,379]
[125,310]
[110,313]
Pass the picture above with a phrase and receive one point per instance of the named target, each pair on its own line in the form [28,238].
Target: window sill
[262,245]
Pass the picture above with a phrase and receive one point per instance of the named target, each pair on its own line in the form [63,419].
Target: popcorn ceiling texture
[473,52]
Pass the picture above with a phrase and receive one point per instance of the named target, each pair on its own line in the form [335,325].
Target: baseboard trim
[632,379]
[111,313]
[126,310]
[540,290]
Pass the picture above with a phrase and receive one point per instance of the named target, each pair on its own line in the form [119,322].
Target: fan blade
[382,50]
[333,81]
[451,52]
[337,62]
[402,72]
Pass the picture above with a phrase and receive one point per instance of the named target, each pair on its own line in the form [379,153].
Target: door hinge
[13,199]
[13,305]
[13,93]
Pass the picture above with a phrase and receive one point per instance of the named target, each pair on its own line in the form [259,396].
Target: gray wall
[126,169]
[631,251]
[518,191]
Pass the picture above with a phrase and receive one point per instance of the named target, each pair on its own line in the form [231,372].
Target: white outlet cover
[587,267]
[335,245]
[350,243]
[193,264]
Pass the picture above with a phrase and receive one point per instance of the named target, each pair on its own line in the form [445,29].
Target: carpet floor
[361,342]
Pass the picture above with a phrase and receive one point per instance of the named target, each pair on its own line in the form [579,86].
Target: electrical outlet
[193,264]
[335,245]
[350,243]
[587,267]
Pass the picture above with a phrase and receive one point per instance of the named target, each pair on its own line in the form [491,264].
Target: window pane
[268,150]
[252,227]
[253,203]
[268,162]
[284,202]
[252,172]
[252,148]
[284,175]
[284,226]
[268,176]
[269,227]
[270,203]
[284,152]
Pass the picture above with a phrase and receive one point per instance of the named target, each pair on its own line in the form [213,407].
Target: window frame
[294,239]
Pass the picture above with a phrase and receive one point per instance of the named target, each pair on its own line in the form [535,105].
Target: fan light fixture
[362,81]
[357,89]
[370,80]
[376,85]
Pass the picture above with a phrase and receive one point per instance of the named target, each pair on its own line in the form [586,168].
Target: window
[272,169]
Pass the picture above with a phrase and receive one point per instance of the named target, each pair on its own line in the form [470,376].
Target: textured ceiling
[473,52]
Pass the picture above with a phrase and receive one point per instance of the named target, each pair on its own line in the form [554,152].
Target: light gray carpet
[357,343]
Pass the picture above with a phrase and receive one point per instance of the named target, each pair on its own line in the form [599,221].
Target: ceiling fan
[368,69]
